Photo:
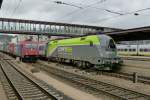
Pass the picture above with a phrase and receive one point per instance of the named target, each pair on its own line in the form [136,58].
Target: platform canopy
[142,33]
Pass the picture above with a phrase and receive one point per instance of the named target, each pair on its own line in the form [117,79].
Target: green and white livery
[98,51]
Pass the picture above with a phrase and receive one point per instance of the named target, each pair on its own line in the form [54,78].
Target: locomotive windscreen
[112,44]
[31,46]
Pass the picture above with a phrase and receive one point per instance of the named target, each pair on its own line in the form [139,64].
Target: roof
[142,33]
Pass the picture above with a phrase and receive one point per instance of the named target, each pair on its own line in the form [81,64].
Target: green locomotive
[97,51]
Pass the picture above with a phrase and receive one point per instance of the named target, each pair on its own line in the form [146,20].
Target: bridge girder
[31,27]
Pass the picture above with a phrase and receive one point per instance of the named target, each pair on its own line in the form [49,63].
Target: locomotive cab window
[31,46]
[112,44]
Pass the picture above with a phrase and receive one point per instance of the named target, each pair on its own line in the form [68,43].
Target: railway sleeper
[120,92]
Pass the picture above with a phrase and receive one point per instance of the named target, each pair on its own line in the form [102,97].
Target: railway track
[123,75]
[8,88]
[21,86]
[136,58]
[116,91]
[127,76]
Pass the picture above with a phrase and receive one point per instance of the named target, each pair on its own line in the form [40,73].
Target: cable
[114,12]
[142,9]
[101,1]
[110,11]
[6,8]
[20,1]
[60,2]
[88,6]
[133,12]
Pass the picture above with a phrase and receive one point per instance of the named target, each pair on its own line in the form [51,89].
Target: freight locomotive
[98,51]
[26,50]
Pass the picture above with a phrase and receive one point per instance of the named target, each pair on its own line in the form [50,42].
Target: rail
[27,87]
[99,86]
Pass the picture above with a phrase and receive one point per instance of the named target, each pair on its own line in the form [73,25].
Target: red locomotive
[26,50]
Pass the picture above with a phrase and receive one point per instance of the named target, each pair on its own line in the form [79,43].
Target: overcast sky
[92,12]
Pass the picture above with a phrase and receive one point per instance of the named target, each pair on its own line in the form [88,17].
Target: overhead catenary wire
[14,11]
[119,14]
[122,14]
[87,6]
[114,12]
[110,11]
[60,2]
[5,9]
[90,6]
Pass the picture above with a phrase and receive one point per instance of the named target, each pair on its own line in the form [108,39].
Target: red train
[26,50]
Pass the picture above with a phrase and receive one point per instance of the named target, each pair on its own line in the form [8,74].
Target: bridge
[31,27]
